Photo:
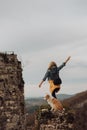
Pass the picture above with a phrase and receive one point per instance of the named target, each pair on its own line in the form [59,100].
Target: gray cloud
[41,31]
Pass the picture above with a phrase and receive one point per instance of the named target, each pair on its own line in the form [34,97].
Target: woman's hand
[67,59]
[41,83]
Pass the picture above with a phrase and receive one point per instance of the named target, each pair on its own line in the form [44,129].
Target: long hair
[51,64]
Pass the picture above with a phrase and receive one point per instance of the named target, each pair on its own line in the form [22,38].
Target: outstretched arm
[64,63]
[41,83]
[67,59]
[46,75]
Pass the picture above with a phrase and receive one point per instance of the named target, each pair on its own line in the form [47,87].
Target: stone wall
[11,93]
[47,120]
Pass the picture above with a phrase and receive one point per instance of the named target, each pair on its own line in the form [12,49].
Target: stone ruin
[11,93]
[47,120]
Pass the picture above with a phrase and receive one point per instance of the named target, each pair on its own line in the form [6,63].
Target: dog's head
[47,97]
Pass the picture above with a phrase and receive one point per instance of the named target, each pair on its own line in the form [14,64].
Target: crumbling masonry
[11,93]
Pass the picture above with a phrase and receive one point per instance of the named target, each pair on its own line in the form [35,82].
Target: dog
[54,103]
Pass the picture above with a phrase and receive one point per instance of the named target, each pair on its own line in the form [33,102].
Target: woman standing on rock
[53,76]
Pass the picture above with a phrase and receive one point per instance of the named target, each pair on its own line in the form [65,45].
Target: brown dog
[54,103]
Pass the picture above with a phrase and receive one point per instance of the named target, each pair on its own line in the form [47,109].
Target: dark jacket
[50,74]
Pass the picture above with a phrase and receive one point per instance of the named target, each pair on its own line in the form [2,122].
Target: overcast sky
[40,31]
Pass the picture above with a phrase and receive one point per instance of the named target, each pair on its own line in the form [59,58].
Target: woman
[53,76]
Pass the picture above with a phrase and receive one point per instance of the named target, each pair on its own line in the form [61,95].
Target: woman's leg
[55,91]
[53,88]
[53,94]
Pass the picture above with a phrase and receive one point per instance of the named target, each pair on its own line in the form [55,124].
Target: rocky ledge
[47,120]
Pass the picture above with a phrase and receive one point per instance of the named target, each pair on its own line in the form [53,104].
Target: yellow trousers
[52,86]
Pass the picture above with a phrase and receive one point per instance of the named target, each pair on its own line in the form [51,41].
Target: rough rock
[11,93]
[47,120]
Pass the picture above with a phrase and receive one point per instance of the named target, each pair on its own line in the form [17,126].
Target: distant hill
[77,100]
[64,96]
[38,99]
